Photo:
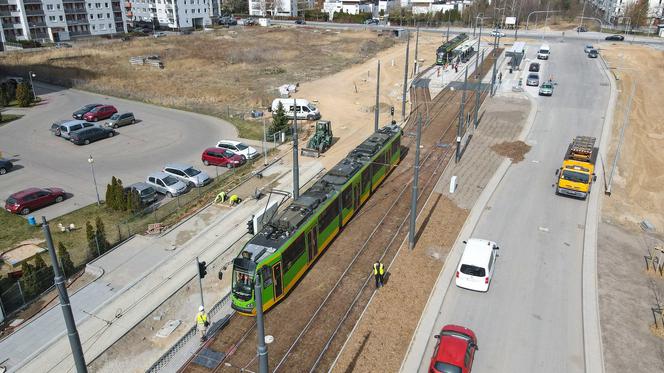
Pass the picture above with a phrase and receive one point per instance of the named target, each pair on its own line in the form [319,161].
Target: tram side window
[347,198]
[292,253]
[366,178]
[328,215]
[267,276]
[378,163]
[395,147]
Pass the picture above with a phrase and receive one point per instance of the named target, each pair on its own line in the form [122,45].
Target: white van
[476,266]
[305,110]
[543,52]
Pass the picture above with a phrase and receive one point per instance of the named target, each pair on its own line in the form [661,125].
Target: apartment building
[174,14]
[59,20]
[614,10]
[283,8]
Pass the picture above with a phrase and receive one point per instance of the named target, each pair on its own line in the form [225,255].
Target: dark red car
[455,350]
[99,113]
[33,198]
[222,157]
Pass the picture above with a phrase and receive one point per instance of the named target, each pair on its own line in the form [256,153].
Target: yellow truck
[577,173]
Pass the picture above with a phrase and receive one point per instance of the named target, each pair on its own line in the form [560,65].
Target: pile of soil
[514,150]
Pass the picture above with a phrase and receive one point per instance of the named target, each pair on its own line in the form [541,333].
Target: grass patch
[6,118]
[14,230]
[250,129]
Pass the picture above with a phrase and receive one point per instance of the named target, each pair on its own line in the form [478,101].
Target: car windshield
[169,180]
[147,192]
[544,51]
[241,146]
[242,283]
[228,154]
[191,171]
[471,270]
[446,368]
[576,177]
[115,116]
[546,86]
[11,201]
[532,76]
[311,107]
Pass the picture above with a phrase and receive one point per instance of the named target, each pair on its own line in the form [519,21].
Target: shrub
[66,263]
[23,95]
[279,120]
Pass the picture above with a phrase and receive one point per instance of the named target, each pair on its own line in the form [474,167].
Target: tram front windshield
[243,282]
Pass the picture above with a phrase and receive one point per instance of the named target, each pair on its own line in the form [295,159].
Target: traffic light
[392,110]
[250,227]
[202,270]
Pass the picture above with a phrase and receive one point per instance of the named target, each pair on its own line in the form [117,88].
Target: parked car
[119,120]
[300,22]
[581,29]
[239,148]
[147,193]
[534,67]
[5,166]
[593,53]
[477,265]
[588,48]
[533,79]
[69,127]
[78,114]
[455,350]
[497,33]
[92,134]
[546,89]
[159,34]
[55,126]
[371,21]
[227,21]
[32,199]
[100,112]
[166,184]
[188,174]
[222,157]
[62,45]
[615,37]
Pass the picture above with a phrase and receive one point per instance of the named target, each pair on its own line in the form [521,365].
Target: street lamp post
[32,75]
[94,179]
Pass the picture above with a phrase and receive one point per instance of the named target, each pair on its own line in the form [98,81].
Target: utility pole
[200,269]
[417,43]
[405,80]
[264,143]
[461,116]
[416,174]
[72,333]
[477,97]
[477,60]
[260,329]
[493,77]
[296,169]
[377,109]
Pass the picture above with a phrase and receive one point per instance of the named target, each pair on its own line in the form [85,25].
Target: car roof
[179,166]
[159,175]
[25,192]
[140,185]
[533,74]
[73,122]
[452,349]
[229,142]
[477,252]
[215,149]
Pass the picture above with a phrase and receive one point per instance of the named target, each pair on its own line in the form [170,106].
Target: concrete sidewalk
[132,292]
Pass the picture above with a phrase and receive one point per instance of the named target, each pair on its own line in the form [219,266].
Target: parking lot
[160,136]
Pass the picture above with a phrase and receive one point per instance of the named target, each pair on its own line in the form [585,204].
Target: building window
[97,5]
[61,19]
[58,6]
[110,26]
[51,18]
[94,27]
[103,27]
[108,15]
[99,16]
[49,6]
[92,16]
[106,4]
[89,5]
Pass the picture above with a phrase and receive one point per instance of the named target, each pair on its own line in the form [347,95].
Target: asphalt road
[43,160]
[530,320]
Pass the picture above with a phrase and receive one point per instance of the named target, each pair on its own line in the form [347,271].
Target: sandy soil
[514,150]
[638,179]
[347,98]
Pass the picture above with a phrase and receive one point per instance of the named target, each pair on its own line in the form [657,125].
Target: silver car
[588,48]
[166,184]
[187,174]
[73,125]
[533,80]
[120,119]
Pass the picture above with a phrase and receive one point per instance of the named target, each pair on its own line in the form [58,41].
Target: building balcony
[76,10]
[34,1]
[116,8]
[37,24]
[79,33]
[73,1]
[80,21]
[5,13]
[118,19]
[34,12]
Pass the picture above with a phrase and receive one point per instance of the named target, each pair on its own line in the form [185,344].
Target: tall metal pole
[94,178]
[416,172]
[417,43]
[260,329]
[477,96]
[477,60]
[264,143]
[72,333]
[448,25]
[405,80]
[377,109]
[493,77]
[200,281]
[546,18]
[296,169]
[461,115]
[34,96]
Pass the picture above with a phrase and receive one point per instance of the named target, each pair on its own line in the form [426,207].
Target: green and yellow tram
[280,254]
[445,53]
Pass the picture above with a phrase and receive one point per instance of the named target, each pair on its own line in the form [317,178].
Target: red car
[99,113]
[455,350]
[33,198]
[222,157]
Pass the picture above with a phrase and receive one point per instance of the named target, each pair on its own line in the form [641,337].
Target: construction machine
[320,141]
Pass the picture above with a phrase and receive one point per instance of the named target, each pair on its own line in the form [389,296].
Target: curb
[419,341]
[592,331]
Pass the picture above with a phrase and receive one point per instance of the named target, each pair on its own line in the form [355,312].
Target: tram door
[313,243]
[356,194]
[278,283]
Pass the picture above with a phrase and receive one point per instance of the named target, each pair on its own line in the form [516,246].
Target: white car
[497,33]
[187,174]
[588,48]
[477,264]
[238,148]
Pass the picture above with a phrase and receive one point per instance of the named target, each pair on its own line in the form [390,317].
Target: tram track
[305,328]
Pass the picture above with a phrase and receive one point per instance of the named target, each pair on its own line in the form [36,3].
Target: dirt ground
[514,150]
[637,183]
[206,71]
[627,293]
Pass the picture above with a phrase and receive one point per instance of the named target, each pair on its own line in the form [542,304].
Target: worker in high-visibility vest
[379,273]
[202,323]
[221,197]
[235,199]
